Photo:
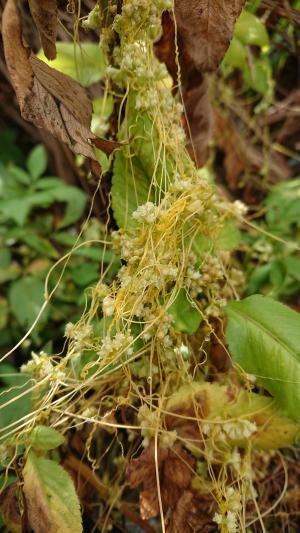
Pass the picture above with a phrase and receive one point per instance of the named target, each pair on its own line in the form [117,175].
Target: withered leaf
[106,146]
[10,508]
[44,14]
[52,503]
[48,98]
[193,514]
[206,28]
[175,468]
[198,112]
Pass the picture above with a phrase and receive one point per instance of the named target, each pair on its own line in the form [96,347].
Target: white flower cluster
[240,429]
[41,366]
[120,344]
[108,306]
[145,213]
[79,334]
[237,430]
[239,208]
[228,523]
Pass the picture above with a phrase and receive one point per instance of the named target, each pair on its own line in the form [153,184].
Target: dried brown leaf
[175,467]
[193,514]
[48,98]
[106,146]
[200,121]
[44,14]
[206,28]
[10,508]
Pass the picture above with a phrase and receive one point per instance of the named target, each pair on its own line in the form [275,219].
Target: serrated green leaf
[264,339]
[52,502]
[84,63]
[37,161]
[187,318]
[45,438]
[26,297]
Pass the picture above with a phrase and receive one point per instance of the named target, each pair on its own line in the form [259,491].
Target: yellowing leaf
[52,503]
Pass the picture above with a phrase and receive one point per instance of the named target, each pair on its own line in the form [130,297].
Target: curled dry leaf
[206,28]
[175,467]
[48,98]
[198,113]
[44,14]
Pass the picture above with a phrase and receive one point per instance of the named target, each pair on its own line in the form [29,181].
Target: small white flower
[218,518]
[108,306]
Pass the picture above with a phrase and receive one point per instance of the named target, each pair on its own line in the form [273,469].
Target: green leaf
[187,317]
[3,312]
[74,198]
[130,188]
[45,438]
[52,502]
[85,274]
[229,237]
[264,339]
[258,278]
[85,62]
[37,161]
[250,30]
[26,297]
[16,387]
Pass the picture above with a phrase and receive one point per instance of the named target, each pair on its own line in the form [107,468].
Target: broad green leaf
[130,188]
[37,161]
[52,502]
[26,297]
[85,62]
[45,438]
[74,198]
[187,317]
[236,55]
[264,339]
[250,30]
[15,387]
[46,191]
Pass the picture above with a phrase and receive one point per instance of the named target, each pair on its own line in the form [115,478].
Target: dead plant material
[206,29]
[175,468]
[10,508]
[44,14]
[48,98]
[193,514]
